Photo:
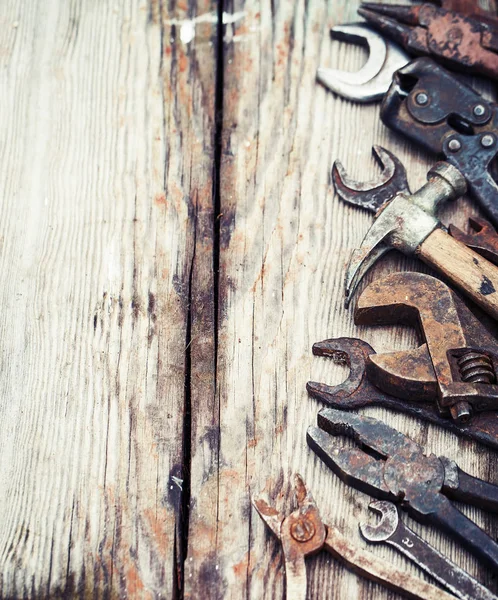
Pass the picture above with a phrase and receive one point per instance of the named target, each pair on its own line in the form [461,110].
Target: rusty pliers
[459,41]
[303,533]
[396,469]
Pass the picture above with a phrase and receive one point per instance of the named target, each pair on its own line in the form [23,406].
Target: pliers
[461,42]
[396,469]
[303,533]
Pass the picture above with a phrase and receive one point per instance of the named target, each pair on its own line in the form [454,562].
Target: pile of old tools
[452,378]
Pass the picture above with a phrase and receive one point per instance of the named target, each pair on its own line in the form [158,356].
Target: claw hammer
[408,222]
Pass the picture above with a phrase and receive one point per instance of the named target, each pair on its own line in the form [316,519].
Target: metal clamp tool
[396,469]
[303,533]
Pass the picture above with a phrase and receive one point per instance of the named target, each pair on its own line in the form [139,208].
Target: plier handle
[458,41]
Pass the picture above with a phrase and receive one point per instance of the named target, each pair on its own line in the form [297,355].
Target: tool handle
[467,270]
[437,565]
[470,535]
[370,566]
[477,492]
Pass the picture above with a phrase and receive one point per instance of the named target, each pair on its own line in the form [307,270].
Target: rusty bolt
[302,530]
[454,145]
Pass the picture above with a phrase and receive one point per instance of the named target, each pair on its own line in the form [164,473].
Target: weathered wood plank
[284,243]
[107,126]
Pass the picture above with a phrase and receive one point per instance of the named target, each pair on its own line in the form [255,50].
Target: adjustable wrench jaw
[462,354]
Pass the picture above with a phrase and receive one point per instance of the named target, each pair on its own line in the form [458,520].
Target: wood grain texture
[284,242]
[475,276]
[106,208]
[144,396]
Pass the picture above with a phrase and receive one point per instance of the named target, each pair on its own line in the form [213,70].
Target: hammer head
[403,220]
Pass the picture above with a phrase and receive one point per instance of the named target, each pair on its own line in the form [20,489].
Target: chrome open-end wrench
[394,532]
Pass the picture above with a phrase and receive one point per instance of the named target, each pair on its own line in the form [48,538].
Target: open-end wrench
[394,532]
[374,79]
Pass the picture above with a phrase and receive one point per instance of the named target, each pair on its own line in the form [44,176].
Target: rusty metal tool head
[404,220]
[482,238]
[391,530]
[461,42]
[358,391]
[372,195]
[303,533]
[458,361]
[390,466]
[373,80]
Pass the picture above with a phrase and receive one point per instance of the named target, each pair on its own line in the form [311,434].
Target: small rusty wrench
[303,533]
[408,223]
[394,532]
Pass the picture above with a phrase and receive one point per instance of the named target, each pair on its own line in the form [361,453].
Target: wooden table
[171,247]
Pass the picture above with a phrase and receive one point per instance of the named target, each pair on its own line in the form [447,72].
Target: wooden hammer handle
[467,270]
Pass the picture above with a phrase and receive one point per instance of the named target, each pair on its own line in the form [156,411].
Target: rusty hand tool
[391,530]
[429,106]
[483,238]
[408,223]
[374,79]
[359,391]
[458,361]
[437,111]
[404,475]
[462,42]
[303,533]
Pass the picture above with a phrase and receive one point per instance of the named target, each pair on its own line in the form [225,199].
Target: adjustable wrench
[394,532]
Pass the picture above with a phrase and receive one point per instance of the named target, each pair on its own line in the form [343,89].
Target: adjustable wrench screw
[461,412]
[487,140]
[454,145]
[302,530]
[422,98]
[476,368]
[479,110]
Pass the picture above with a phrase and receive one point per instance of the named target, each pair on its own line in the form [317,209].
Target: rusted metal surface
[303,533]
[358,391]
[482,238]
[372,195]
[394,468]
[429,106]
[458,361]
[391,530]
[405,220]
[461,42]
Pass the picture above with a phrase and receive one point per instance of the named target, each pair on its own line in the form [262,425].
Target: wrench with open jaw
[358,391]
[391,530]
[394,468]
